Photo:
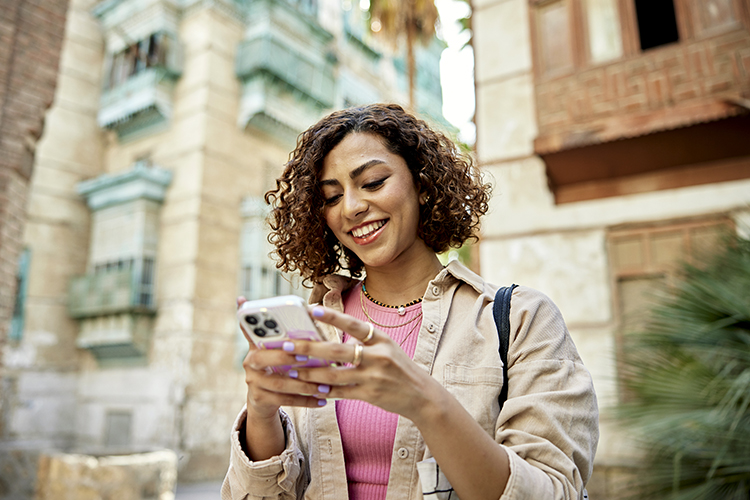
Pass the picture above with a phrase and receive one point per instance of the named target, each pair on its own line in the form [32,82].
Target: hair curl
[456,195]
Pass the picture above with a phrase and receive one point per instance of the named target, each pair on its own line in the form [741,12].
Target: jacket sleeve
[550,421]
[283,477]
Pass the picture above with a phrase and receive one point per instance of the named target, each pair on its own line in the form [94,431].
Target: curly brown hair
[456,195]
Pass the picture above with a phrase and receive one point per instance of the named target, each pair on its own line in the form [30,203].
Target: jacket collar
[331,287]
[458,271]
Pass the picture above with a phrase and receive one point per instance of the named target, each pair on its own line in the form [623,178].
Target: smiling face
[371,202]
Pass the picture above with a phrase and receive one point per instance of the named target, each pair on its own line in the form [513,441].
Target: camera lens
[271,324]
[251,319]
[260,332]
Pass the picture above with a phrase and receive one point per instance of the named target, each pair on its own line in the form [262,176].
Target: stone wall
[31,34]
[138,476]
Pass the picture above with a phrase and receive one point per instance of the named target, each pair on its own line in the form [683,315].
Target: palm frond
[688,380]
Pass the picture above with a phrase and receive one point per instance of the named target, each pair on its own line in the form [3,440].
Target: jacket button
[403,453]
[435,291]
[431,328]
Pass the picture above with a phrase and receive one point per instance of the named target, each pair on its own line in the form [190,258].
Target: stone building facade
[170,120]
[616,133]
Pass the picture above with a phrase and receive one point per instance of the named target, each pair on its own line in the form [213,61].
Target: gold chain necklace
[401,309]
[364,310]
[401,344]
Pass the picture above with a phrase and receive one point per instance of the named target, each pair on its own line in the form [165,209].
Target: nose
[354,204]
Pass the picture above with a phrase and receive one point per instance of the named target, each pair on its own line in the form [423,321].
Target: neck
[400,284]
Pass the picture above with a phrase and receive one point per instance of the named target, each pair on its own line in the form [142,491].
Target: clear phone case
[270,322]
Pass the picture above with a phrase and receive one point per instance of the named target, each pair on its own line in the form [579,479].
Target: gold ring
[357,355]
[369,334]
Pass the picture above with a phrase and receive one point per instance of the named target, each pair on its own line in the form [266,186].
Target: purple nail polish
[288,346]
[322,402]
[293,373]
[324,389]
[318,311]
[300,357]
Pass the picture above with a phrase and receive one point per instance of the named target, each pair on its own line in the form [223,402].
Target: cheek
[327,217]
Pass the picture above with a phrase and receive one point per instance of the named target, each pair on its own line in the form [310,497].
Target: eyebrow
[354,173]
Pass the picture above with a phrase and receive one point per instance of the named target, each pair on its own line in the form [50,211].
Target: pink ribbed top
[367,432]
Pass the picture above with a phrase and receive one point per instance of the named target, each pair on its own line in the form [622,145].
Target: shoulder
[474,287]
[538,328]
[531,299]
[329,290]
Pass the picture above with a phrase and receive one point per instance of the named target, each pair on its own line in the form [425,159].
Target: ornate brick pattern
[681,75]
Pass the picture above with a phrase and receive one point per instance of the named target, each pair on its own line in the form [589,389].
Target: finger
[263,397]
[354,327]
[288,384]
[331,376]
[329,351]
[261,359]
[240,300]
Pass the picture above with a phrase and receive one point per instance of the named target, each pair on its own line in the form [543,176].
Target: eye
[375,184]
[331,200]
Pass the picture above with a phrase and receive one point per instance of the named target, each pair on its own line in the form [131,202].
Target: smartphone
[270,322]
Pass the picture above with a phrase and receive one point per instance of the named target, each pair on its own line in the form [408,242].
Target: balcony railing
[111,292]
[266,55]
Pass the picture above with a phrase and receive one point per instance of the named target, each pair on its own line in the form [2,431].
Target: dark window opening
[136,57]
[147,283]
[657,23]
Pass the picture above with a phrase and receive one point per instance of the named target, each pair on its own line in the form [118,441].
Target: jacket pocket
[477,389]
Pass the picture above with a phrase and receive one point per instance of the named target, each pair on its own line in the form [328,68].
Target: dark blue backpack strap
[501,312]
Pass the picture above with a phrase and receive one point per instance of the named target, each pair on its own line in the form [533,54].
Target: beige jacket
[548,425]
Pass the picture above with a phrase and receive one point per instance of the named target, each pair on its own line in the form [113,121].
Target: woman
[412,407]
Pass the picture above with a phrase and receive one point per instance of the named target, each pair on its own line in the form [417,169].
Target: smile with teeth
[365,230]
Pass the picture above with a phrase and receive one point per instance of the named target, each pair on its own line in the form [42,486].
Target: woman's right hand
[266,390]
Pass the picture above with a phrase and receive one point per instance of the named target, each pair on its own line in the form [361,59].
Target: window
[605,35]
[147,53]
[259,277]
[146,283]
[644,259]
[114,301]
[657,23]
[262,280]
[554,34]
[713,16]
[118,429]
[22,283]
[570,34]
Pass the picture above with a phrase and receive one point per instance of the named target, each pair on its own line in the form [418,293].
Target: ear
[423,198]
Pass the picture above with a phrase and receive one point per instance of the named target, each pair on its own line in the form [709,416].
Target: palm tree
[687,380]
[412,20]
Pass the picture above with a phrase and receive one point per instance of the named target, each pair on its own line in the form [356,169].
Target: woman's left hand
[386,377]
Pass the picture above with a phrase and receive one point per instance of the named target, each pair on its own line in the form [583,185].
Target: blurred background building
[139,217]
[616,132]
[618,135]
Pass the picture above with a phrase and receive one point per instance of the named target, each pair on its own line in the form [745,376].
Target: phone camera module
[270,324]
[252,320]
[260,332]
